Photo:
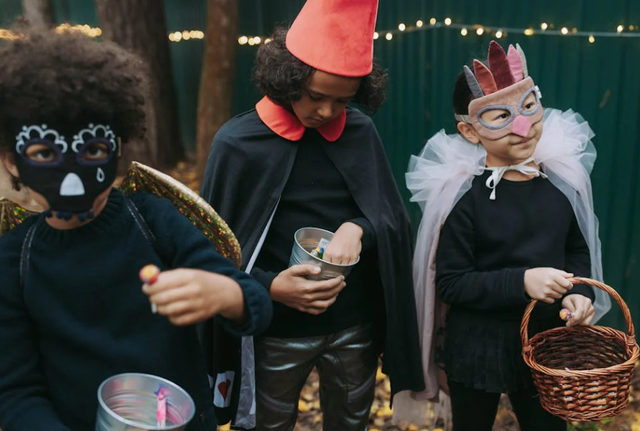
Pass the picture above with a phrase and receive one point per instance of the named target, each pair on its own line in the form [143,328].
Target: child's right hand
[546,284]
[292,289]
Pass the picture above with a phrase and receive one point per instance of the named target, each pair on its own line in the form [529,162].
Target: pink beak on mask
[521,126]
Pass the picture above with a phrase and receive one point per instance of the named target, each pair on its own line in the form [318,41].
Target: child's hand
[345,246]
[581,308]
[188,296]
[292,289]
[546,284]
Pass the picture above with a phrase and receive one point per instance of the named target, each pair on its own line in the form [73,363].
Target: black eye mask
[69,174]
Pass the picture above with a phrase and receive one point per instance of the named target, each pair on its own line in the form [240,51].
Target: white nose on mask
[72,186]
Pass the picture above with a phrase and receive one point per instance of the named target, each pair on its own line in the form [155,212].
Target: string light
[547,30]
[7,34]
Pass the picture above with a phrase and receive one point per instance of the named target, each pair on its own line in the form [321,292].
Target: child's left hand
[581,308]
[188,296]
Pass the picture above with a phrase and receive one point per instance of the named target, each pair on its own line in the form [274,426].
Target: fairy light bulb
[564,30]
[376,35]
[388,36]
[402,27]
[480,31]
[419,23]
[447,21]
[592,39]
[464,32]
[498,34]
[544,26]
[242,40]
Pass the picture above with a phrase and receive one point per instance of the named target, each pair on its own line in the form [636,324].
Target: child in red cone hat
[304,158]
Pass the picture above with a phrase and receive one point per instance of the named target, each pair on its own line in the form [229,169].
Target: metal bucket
[305,240]
[127,403]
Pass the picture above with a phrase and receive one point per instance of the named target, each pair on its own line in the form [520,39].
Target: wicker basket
[582,373]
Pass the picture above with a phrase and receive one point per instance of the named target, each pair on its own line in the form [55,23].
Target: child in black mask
[72,312]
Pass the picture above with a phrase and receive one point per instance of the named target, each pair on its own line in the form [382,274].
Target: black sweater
[316,195]
[484,250]
[82,317]
[486,246]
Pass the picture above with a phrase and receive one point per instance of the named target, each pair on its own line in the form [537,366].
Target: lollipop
[161,407]
[565,314]
[149,274]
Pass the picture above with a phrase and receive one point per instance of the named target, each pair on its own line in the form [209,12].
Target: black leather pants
[347,364]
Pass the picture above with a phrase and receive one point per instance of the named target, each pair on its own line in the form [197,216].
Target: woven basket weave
[582,373]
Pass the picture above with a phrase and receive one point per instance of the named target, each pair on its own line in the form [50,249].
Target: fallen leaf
[303,406]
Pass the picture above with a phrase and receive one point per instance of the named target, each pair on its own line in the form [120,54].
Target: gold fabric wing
[141,178]
[11,215]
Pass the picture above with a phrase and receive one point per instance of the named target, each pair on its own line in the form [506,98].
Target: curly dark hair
[69,80]
[281,76]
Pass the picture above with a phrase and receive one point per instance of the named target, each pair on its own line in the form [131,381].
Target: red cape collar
[286,125]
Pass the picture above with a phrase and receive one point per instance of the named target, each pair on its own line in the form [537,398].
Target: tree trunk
[38,12]
[140,26]
[215,101]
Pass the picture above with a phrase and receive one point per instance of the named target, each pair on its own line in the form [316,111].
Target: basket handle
[631,336]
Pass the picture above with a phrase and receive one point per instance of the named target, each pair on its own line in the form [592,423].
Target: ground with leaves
[310,417]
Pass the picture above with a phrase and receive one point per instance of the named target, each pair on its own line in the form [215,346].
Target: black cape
[247,170]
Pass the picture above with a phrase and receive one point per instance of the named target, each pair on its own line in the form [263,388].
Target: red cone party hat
[335,36]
